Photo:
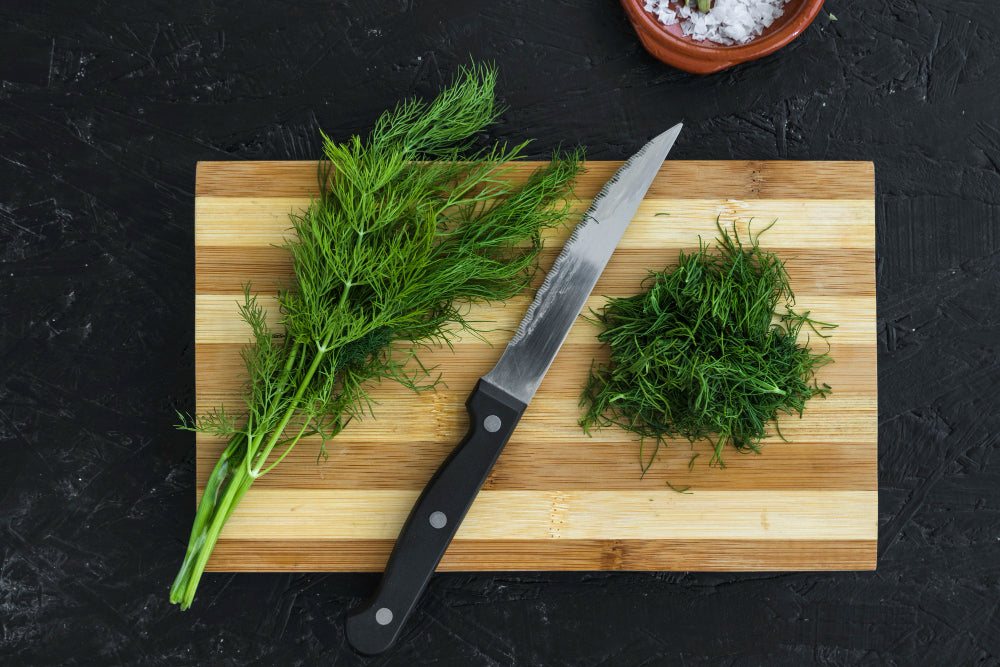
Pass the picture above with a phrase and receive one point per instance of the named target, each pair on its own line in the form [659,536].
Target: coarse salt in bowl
[734,31]
[730,22]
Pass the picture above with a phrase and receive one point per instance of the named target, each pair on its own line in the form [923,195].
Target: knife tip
[666,139]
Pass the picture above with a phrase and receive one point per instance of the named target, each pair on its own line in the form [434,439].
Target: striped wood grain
[556,498]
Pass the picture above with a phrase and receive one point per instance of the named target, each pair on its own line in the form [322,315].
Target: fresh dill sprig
[407,231]
[708,350]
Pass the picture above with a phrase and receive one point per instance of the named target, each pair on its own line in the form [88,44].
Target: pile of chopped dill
[709,350]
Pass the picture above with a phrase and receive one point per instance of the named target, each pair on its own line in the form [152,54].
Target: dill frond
[408,230]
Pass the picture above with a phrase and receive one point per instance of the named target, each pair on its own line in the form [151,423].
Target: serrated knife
[501,397]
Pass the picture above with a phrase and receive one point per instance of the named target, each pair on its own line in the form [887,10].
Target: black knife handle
[493,414]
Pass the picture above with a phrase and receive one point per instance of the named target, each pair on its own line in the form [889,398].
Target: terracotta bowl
[668,43]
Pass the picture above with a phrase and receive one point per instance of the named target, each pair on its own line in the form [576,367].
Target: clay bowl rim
[721,55]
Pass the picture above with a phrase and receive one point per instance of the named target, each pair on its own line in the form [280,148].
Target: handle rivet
[383,616]
[492,423]
[438,519]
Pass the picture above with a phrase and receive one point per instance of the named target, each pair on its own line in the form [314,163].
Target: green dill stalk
[406,232]
[708,350]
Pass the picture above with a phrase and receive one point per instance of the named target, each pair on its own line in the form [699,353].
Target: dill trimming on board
[708,350]
[407,230]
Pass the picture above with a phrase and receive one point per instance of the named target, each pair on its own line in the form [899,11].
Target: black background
[104,110]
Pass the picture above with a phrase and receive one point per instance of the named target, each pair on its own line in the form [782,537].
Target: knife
[501,397]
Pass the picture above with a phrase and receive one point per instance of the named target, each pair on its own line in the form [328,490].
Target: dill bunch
[408,229]
[707,351]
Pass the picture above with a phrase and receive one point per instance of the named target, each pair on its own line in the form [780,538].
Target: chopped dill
[707,351]
[684,490]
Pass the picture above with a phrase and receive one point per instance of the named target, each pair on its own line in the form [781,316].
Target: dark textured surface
[106,107]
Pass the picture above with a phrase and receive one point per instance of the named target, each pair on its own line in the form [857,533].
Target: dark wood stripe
[224,270]
[679,179]
[849,466]
[579,555]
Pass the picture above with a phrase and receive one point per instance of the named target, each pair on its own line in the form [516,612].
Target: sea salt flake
[729,22]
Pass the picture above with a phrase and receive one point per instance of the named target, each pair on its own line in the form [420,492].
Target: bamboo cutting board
[558,500]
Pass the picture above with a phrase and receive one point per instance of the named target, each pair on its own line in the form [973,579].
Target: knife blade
[501,397]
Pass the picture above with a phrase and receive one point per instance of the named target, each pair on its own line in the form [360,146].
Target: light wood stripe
[290,514]
[826,223]
[556,498]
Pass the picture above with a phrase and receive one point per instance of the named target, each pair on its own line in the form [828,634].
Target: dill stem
[238,485]
[261,458]
[204,513]
[343,297]
[291,443]
[292,356]
[214,512]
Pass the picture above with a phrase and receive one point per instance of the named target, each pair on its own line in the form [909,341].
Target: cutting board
[557,499]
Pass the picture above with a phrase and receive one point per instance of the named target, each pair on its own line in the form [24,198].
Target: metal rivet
[383,616]
[492,423]
[438,519]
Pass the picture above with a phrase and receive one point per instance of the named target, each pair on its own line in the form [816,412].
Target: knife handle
[434,519]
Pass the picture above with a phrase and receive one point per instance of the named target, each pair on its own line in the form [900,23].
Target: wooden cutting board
[558,500]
